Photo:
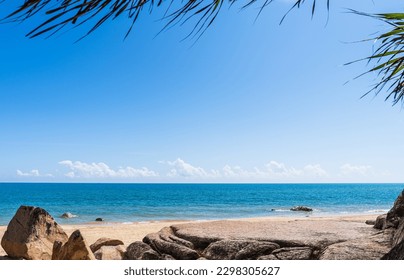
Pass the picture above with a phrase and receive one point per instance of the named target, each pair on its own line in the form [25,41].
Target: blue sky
[250,101]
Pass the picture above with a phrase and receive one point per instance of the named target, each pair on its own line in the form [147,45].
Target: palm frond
[60,13]
[389,57]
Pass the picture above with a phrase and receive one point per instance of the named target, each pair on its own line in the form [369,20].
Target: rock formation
[110,253]
[104,242]
[31,234]
[75,248]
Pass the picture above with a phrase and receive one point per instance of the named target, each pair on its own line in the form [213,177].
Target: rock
[399,233]
[152,255]
[256,249]
[99,220]
[165,242]
[301,208]
[68,215]
[396,253]
[370,248]
[268,257]
[370,222]
[104,242]
[31,234]
[238,249]
[380,221]
[396,213]
[75,248]
[293,253]
[136,250]
[110,253]
[224,249]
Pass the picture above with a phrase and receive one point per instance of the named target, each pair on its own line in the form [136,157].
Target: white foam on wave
[378,211]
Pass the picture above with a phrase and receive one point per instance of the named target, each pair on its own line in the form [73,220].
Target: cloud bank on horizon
[181,171]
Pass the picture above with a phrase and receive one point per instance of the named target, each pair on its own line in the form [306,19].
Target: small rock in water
[67,215]
[99,220]
[301,208]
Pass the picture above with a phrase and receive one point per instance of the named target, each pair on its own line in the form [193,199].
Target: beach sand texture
[309,230]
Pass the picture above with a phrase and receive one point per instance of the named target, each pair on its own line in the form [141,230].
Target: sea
[143,203]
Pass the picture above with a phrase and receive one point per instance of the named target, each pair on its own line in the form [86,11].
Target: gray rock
[99,220]
[136,250]
[301,208]
[268,258]
[396,213]
[238,249]
[165,242]
[68,215]
[293,253]
[370,222]
[256,249]
[370,248]
[396,253]
[380,222]
[151,255]
[31,234]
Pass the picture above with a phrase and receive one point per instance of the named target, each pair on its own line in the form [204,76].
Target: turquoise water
[151,202]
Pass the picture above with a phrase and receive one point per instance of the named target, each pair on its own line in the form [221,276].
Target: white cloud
[315,169]
[280,169]
[180,168]
[349,169]
[80,169]
[272,171]
[32,173]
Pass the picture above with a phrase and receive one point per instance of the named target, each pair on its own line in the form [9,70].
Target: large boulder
[31,234]
[110,253]
[136,250]
[166,242]
[75,248]
[370,248]
[397,253]
[238,249]
[394,216]
[105,242]
[396,213]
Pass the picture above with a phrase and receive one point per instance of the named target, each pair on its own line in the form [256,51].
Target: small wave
[127,223]
[378,211]
[279,210]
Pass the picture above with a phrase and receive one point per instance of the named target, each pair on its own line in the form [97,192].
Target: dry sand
[291,227]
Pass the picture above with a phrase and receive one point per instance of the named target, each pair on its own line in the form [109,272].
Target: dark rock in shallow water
[68,215]
[99,220]
[301,208]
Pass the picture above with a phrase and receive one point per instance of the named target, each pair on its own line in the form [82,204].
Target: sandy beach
[307,228]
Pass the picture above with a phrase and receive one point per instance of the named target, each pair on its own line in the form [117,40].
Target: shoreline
[136,231]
